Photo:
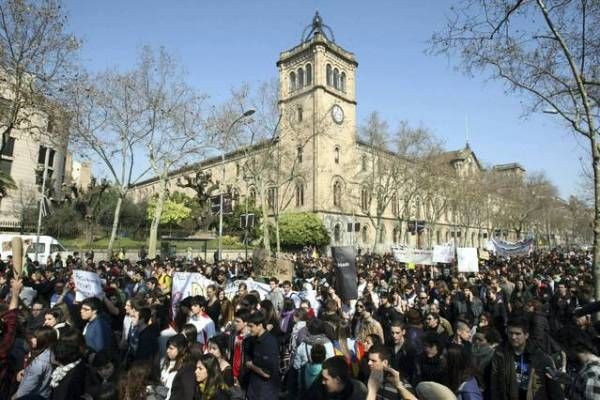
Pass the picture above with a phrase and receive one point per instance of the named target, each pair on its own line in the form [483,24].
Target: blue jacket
[98,335]
[36,380]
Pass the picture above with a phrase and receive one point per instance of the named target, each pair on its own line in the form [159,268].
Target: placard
[188,284]
[87,284]
[231,289]
[411,255]
[467,259]
[443,254]
[344,261]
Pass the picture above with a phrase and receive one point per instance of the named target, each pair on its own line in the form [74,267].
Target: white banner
[443,254]
[231,289]
[412,255]
[188,284]
[467,259]
[87,284]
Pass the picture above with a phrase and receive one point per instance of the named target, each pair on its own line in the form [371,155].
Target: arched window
[382,235]
[299,194]
[329,75]
[336,154]
[336,78]
[473,239]
[396,235]
[364,199]
[237,169]
[447,236]
[418,208]
[308,74]
[364,234]
[337,233]
[252,194]
[299,115]
[337,194]
[300,154]
[343,81]
[438,236]
[300,78]
[363,162]
[394,205]
[292,81]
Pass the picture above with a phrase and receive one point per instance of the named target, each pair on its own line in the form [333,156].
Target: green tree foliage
[133,216]
[231,222]
[300,229]
[64,222]
[174,210]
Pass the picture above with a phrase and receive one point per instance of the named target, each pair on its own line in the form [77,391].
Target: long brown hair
[132,385]
[214,380]
[44,338]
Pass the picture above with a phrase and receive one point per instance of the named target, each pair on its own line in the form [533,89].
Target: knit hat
[434,391]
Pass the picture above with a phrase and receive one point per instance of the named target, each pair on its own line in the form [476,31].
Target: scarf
[60,372]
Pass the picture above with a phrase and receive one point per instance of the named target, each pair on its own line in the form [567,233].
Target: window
[363,162]
[343,82]
[299,114]
[396,235]
[336,154]
[6,166]
[364,199]
[56,247]
[42,156]
[300,152]
[237,169]
[337,194]
[336,78]
[272,198]
[337,233]
[300,78]
[438,237]
[252,194]
[382,235]
[308,74]
[418,208]
[329,75]
[36,247]
[364,234]
[9,147]
[292,81]
[299,195]
[395,205]
[39,176]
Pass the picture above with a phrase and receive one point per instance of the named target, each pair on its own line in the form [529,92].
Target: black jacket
[72,385]
[503,376]
[184,384]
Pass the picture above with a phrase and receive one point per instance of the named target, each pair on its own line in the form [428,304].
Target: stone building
[317,93]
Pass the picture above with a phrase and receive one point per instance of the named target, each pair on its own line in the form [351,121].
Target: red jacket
[8,338]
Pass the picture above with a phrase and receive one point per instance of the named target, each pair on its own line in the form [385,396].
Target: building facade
[317,100]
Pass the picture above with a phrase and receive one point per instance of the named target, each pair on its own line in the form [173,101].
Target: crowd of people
[521,328]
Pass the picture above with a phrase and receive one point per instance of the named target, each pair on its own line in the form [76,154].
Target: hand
[15,286]
[249,364]
[393,376]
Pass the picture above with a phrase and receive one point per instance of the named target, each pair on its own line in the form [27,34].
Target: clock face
[337,114]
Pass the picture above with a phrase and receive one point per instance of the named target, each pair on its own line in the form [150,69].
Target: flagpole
[39,223]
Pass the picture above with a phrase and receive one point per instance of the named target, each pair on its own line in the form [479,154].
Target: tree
[301,229]
[107,123]
[172,211]
[392,168]
[36,60]
[171,121]
[546,51]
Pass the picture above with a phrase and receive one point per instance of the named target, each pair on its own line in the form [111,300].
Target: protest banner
[411,255]
[344,261]
[467,259]
[188,284]
[231,289]
[507,249]
[443,254]
[87,284]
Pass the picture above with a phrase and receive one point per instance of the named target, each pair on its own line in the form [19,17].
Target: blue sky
[223,44]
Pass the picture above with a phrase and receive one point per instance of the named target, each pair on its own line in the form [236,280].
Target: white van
[47,246]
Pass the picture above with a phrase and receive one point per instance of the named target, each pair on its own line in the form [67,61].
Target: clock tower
[317,101]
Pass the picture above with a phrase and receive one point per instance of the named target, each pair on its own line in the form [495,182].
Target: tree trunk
[265,213]
[277,238]
[596,260]
[160,201]
[113,233]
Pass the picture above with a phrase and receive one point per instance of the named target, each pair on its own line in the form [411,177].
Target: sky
[224,44]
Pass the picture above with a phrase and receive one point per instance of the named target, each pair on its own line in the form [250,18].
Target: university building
[317,91]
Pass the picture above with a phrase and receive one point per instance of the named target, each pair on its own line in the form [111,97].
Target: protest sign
[467,259]
[345,272]
[508,249]
[484,255]
[188,284]
[87,284]
[411,255]
[231,289]
[443,254]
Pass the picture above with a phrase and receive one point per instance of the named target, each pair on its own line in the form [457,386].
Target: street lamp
[221,187]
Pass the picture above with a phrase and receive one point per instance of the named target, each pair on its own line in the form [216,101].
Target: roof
[507,167]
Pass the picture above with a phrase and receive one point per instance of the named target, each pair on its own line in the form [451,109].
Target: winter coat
[37,376]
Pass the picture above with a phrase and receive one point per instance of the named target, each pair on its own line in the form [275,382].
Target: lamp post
[221,187]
